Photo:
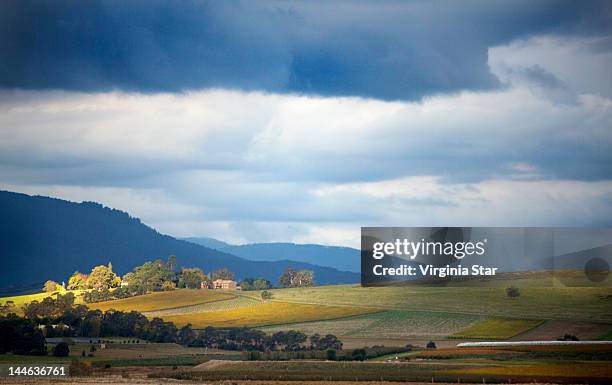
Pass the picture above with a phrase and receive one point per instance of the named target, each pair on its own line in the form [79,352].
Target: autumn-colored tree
[103,277]
[77,281]
[51,286]
[168,285]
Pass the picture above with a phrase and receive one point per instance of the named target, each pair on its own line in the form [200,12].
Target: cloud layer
[252,166]
[390,50]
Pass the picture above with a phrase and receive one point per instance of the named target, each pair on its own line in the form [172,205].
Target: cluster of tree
[7,307]
[292,278]
[101,277]
[106,295]
[223,273]
[255,340]
[82,322]
[20,336]
[49,307]
[255,284]
[192,278]
[154,276]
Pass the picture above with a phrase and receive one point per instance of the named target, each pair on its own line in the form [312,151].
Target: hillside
[46,238]
[341,258]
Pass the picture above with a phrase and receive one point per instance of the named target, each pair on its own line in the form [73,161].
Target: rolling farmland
[236,302]
[579,303]
[388,324]
[497,328]
[163,300]
[267,314]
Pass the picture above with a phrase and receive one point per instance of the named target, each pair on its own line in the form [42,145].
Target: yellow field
[163,300]
[272,313]
[497,328]
[21,300]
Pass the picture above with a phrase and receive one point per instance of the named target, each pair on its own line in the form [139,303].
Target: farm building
[227,284]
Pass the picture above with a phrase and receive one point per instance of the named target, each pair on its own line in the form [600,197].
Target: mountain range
[47,238]
[341,258]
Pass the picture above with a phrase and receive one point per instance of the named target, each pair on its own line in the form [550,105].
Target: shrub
[569,337]
[61,350]
[358,354]
[330,354]
[513,292]
[79,369]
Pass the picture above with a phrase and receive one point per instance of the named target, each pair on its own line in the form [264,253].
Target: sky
[298,121]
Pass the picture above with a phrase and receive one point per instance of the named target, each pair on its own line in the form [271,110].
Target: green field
[497,328]
[388,324]
[587,304]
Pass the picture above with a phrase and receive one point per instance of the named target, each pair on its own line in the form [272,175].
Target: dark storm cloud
[386,50]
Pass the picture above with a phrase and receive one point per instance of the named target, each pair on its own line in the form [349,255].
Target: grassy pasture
[388,324]
[579,303]
[163,300]
[497,328]
[270,313]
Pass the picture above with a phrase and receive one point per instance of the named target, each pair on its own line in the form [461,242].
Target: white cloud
[258,167]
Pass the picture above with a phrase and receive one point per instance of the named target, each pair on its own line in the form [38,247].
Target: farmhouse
[227,284]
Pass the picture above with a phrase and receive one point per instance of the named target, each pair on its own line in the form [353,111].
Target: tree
[168,286]
[286,279]
[77,281]
[171,263]
[149,277]
[255,284]
[7,308]
[61,350]
[51,286]
[64,302]
[186,335]
[223,273]
[261,284]
[330,355]
[192,277]
[330,341]
[103,277]
[568,337]
[513,292]
[20,336]
[292,278]
[359,354]
[266,295]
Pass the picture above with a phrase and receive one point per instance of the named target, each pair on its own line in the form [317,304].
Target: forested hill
[46,238]
[341,258]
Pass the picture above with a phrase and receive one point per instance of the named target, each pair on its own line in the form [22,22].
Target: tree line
[60,317]
[103,284]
